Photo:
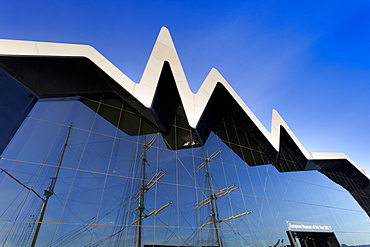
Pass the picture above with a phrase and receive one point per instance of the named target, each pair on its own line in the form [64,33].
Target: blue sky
[308,60]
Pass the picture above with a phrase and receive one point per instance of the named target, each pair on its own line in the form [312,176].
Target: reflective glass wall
[71,177]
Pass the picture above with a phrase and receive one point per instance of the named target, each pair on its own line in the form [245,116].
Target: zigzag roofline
[164,51]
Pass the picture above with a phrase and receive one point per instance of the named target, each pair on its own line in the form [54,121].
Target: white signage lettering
[306,226]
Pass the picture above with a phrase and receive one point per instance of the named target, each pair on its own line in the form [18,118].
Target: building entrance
[312,239]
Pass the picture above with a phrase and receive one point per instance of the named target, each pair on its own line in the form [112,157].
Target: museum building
[91,158]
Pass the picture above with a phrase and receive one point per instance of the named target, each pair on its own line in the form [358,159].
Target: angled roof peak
[164,37]
[163,51]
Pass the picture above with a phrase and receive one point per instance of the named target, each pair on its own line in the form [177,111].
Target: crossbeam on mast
[153,212]
[154,180]
[225,193]
[219,194]
[226,219]
[148,145]
[207,160]
[151,183]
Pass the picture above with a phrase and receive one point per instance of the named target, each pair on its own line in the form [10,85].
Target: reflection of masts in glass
[25,186]
[50,191]
[145,187]
[211,200]
[47,193]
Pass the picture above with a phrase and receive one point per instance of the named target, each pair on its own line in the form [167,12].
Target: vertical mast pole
[50,191]
[214,213]
[142,191]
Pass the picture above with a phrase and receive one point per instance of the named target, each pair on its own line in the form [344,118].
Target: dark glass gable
[16,101]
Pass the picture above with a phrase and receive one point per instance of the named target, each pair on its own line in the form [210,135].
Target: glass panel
[105,177]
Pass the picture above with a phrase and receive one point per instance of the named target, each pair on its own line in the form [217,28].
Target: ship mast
[145,186]
[213,206]
[50,190]
[47,193]
[211,200]
[142,192]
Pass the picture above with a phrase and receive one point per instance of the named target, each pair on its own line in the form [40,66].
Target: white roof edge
[35,48]
[164,50]
[334,156]
[194,103]
[278,121]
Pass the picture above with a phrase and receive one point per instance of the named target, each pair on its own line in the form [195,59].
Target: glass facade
[94,172]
